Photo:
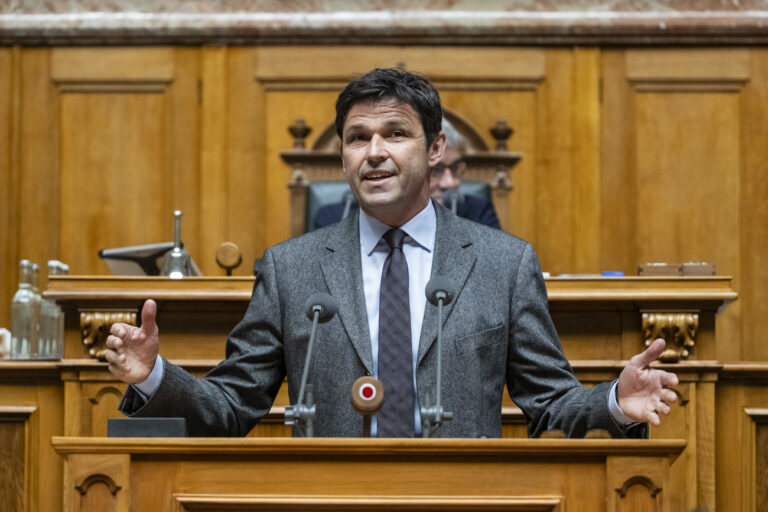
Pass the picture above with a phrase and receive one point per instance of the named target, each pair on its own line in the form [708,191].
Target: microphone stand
[320,308]
[440,291]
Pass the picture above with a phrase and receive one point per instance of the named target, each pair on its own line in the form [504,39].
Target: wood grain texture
[12,467]
[9,135]
[761,466]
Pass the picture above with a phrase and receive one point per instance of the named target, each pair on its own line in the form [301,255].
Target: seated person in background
[446,177]
[444,184]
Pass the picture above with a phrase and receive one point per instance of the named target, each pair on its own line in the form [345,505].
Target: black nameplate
[146,427]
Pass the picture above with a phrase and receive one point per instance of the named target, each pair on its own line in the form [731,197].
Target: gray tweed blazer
[497,330]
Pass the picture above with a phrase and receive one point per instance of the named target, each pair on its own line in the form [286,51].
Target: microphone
[440,291]
[349,198]
[367,397]
[320,307]
[323,304]
[440,287]
[451,199]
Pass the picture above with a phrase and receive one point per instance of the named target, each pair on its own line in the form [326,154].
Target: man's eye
[398,133]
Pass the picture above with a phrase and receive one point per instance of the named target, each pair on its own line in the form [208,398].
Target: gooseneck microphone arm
[440,291]
[319,308]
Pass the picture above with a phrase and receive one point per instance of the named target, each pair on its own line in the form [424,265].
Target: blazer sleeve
[539,378]
[234,396]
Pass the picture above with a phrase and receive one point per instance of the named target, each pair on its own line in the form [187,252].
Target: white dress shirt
[418,248]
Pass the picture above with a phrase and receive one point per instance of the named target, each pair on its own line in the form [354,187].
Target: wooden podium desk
[193,474]
[597,318]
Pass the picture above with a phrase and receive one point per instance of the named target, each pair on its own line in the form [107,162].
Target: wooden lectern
[196,474]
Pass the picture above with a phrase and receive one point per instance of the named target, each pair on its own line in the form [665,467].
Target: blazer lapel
[342,270]
[452,260]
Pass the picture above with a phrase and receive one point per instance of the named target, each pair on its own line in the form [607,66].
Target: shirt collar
[421,229]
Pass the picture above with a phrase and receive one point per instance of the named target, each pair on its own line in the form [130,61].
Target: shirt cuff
[147,388]
[613,406]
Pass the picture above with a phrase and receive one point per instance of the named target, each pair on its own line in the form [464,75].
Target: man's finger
[669,379]
[653,418]
[117,330]
[668,396]
[651,354]
[148,316]
[110,355]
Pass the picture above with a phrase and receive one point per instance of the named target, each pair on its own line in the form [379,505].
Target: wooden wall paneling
[742,411]
[618,191]
[121,187]
[705,443]
[554,167]
[246,159]
[754,209]
[14,466]
[32,399]
[38,203]
[681,155]
[9,134]
[586,212]
[213,155]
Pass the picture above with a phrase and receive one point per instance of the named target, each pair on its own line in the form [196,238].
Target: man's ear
[436,149]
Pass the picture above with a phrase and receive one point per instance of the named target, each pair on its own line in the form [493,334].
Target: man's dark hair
[410,88]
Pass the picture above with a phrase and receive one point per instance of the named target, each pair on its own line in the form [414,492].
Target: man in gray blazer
[497,329]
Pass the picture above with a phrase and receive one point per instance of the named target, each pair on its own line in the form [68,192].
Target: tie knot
[394,238]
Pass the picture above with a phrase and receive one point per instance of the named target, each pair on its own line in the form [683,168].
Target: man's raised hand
[132,351]
[643,392]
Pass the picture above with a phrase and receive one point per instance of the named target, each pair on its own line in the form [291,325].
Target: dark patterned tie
[395,419]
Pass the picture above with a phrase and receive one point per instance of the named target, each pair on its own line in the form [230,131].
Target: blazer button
[367,374]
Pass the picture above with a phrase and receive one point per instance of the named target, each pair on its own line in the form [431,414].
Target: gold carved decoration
[95,327]
[96,479]
[678,329]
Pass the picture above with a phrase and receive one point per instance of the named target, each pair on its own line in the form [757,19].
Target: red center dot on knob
[367,392]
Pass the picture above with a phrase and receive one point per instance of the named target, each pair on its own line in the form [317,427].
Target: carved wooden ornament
[678,329]
[95,326]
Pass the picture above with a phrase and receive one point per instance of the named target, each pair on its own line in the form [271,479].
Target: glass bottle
[34,347]
[50,312]
[25,314]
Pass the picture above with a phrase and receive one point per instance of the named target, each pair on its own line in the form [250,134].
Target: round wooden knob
[228,256]
[367,395]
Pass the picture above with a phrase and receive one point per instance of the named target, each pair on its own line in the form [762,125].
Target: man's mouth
[377,176]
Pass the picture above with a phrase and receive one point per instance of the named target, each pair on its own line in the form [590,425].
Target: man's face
[446,174]
[386,159]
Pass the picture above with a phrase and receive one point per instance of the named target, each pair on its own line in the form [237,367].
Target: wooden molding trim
[639,480]
[96,479]
[192,502]
[406,27]
[11,413]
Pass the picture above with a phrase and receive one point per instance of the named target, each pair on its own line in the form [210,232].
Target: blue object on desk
[612,273]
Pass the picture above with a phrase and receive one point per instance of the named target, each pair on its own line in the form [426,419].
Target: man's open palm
[643,392]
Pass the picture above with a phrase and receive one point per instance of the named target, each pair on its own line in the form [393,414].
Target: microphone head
[440,287]
[323,303]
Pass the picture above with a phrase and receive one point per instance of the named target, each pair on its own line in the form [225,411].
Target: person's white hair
[453,138]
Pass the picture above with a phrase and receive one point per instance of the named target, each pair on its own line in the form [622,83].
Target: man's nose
[377,150]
